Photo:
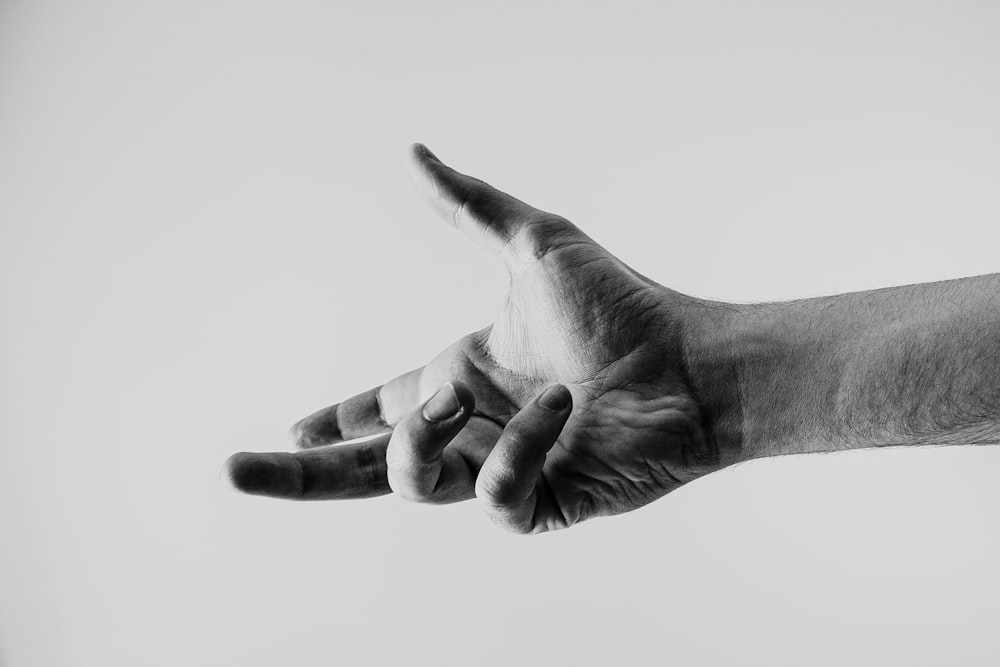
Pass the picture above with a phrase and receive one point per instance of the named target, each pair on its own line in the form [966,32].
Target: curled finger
[420,466]
[509,480]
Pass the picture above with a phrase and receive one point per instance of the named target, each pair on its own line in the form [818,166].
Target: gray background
[207,231]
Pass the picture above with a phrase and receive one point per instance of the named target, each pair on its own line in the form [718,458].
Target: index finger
[337,472]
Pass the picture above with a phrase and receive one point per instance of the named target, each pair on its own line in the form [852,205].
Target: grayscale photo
[499,334]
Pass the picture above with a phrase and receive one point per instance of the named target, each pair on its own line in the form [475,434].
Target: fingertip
[452,399]
[443,405]
[422,172]
[555,398]
[320,428]
[419,156]
[298,435]
[420,151]
[416,152]
[465,396]
[260,474]
[243,472]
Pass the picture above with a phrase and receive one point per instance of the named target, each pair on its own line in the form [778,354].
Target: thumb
[504,225]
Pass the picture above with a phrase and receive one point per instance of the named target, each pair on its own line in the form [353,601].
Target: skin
[597,390]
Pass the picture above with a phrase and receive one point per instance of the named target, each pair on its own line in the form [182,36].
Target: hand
[575,403]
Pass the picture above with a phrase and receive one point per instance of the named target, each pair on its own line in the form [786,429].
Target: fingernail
[443,404]
[555,398]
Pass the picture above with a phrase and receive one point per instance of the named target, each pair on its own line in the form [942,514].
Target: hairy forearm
[910,365]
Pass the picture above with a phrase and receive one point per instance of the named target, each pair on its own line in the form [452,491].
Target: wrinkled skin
[574,316]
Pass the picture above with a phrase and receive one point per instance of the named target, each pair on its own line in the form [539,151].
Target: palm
[634,426]
[574,315]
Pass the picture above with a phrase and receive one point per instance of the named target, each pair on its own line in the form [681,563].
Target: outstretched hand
[574,403]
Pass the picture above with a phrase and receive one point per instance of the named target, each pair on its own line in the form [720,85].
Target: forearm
[910,365]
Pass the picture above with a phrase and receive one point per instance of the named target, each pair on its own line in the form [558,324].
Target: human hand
[574,403]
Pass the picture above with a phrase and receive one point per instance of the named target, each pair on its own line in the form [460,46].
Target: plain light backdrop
[207,231]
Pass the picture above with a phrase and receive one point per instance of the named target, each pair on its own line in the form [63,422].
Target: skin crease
[575,315]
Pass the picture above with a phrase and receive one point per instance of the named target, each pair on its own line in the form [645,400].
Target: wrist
[713,356]
[767,380]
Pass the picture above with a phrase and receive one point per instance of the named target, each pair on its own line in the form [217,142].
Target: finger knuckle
[518,528]
[497,487]
[402,480]
[406,489]
[543,235]
[509,521]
